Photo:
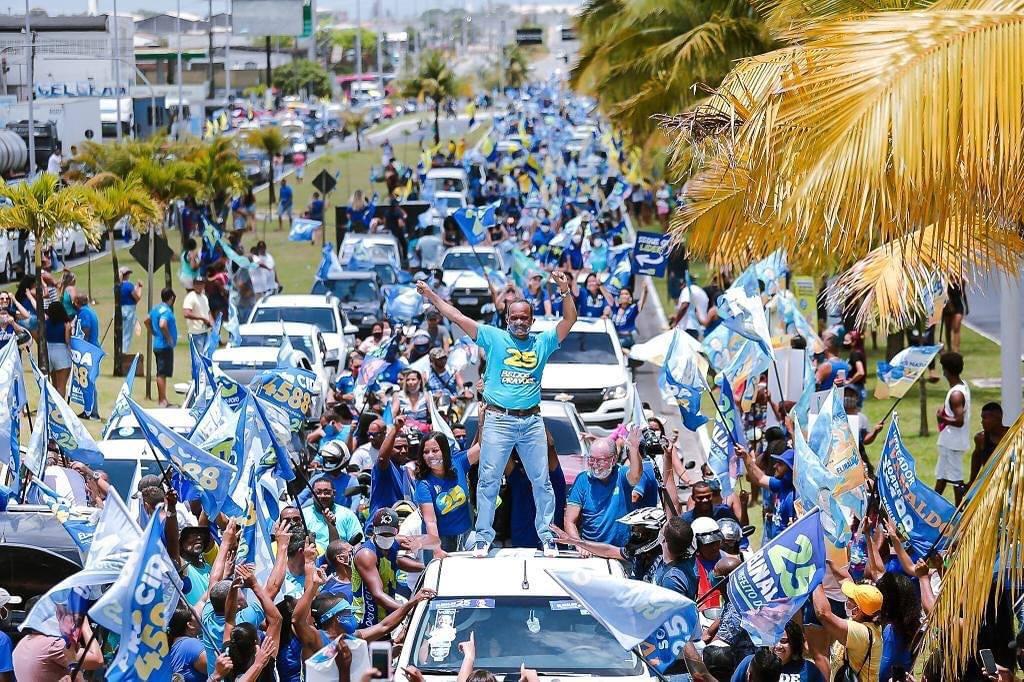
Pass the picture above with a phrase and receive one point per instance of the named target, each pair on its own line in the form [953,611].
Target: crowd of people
[391,477]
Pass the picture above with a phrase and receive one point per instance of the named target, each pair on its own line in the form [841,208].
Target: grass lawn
[296,263]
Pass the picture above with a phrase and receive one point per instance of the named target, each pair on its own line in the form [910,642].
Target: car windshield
[567,442]
[585,348]
[386,273]
[549,634]
[450,202]
[122,471]
[132,431]
[465,260]
[353,290]
[300,343]
[447,184]
[321,318]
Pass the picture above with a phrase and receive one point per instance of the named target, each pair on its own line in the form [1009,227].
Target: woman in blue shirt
[789,650]
[442,493]
[188,655]
[624,316]
[901,621]
[591,300]
[536,296]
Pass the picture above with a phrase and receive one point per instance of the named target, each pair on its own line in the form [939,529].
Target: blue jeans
[128,327]
[201,340]
[502,432]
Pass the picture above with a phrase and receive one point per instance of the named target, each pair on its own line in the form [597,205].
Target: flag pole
[718,410]
[891,409]
[77,665]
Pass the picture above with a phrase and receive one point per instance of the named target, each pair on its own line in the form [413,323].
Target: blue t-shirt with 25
[794,671]
[163,312]
[602,504]
[450,497]
[514,366]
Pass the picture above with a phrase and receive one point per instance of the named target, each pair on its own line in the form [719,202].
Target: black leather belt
[530,411]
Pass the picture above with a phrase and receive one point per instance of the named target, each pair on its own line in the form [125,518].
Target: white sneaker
[480,549]
[550,549]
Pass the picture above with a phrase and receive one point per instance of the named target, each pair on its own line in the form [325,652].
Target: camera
[413,437]
[652,443]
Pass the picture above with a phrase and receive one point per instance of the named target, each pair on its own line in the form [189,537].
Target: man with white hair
[601,495]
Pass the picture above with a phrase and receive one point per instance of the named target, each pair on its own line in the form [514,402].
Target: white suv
[323,311]
[517,615]
[587,370]
[467,289]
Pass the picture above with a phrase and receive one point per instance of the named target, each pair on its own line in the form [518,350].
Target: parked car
[469,290]
[374,248]
[125,448]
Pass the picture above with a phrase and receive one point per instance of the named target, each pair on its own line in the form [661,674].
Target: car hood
[126,448]
[464,279]
[569,377]
[245,354]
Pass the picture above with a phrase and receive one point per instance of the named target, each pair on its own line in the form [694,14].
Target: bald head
[726,565]
[602,447]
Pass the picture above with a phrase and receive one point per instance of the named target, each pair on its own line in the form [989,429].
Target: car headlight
[614,392]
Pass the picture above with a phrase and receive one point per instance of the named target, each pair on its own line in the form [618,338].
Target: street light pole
[31,94]
[181,104]
[359,48]
[227,49]
[117,71]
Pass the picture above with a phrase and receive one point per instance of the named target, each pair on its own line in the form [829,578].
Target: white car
[71,242]
[450,202]
[518,615]
[124,446]
[375,248]
[10,255]
[588,370]
[259,346]
[323,311]
[445,179]
[467,289]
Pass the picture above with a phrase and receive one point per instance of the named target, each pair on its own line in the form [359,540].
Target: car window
[585,348]
[549,634]
[465,260]
[300,343]
[321,318]
[353,290]
[133,432]
[122,471]
[386,273]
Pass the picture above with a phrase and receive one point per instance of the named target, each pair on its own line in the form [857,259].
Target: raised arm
[835,627]
[568,305]
[388,446]
[636,469]
[276,579]
[302,617]
[450,312]
[393,619]
[273,616]
[754,473]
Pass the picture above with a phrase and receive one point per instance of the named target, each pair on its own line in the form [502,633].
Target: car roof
[369,238]
[582,324]
[515,572]
[296,301]
[442,194]
[446,171]
[170,417]
[356,274]
[470,249]
[290,328]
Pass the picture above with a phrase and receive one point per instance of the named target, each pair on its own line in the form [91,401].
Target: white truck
[73,116]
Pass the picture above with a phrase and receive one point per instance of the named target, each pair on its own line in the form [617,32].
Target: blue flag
[680,380]
[918,511]
[815,485]
[231,391]
[836,446]
[292,390]
[899,374]
[211,475]
[138,607]
[213,341]
[329,263]
[274,429]
[12,388]
[403,304]
[474,221]
[64,427]
[658,620]
[622,271]
[85,369]
[722,457]
[303,229]
[772,585]
[746,316]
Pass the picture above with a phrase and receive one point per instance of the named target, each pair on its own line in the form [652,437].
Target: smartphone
[988,661]
[380,658]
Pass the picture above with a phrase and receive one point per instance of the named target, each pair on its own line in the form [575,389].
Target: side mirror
[350,329]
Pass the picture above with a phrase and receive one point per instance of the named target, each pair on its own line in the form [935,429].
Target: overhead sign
[651,253]
[161,252]
[267,17]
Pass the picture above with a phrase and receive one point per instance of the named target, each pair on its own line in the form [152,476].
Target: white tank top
[957,437]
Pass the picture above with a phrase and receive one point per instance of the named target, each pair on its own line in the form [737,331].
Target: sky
[398,7]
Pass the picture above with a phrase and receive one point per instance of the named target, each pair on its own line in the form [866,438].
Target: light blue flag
[637,614]
[211,475]
[727,432]
[203,383]
[232,326]
[438,423]
[771,269]
[81,531]
[387,415]
[285,351]
[897,376]
[746,316]
[403,304]
[303,229]
[772,585]
[680,381]
[919,512]
[63,426]
[231,391]
[329,263]
[748,361]
[274,429]
[794,320]
[719,345]
[85,369]
[246,453]
[12,388]
[138,607]
[213,341]
[839,451]
[292,390]
[124,393]
[472,222]
[618,278]
[814,485]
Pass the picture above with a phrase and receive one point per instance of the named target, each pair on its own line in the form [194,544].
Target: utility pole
[117,70]
[31,94]
[269,86]
[359,47]
[312,35]
[177,76]
[227,49]
[380,52]
[211,90]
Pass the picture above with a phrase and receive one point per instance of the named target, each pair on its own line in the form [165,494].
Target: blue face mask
[348,623]
[461,441]
[330,431]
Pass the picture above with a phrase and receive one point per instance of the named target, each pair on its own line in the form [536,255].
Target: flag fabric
[230,390]
[439,424]
[322,666]
[918,511]
[232,326]
[85,369]
[463,353]
[618,278]
[12,388]
[472,221]
[213,340]
[746,316]
[897,376]
[795,322]
[748,362]
[658,620]
[138,607]
[285,351]
[772,585]
[303,229]
[814,485]
[403,304]
[274,429]
[246,453]
[63,426]
[329,263]
[204,387]
[833,440]
[210,475]
[218,414]
[727,432]
[771,269]
[719,345]
[680,381]
[291,389]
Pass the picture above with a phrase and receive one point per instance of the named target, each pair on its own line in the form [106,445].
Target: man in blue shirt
[165,337]
[516,360]
[779,486]
[703,505]
[284,204]
[213,612]
[127,296]
[316,207]
[87,325]
[602,494]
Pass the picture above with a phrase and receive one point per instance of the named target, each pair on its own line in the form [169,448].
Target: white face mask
[600,472]
[434,461]
[384,542]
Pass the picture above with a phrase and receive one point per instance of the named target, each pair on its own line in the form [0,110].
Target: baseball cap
[148,481]
[438,354]
[867,597]
[786,457]
[124,270]
[385,521]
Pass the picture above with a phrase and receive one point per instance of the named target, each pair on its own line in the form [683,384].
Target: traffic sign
[324,182]
[651,253]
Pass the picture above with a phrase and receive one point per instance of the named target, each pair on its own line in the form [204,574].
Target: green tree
[434,81]
[302,76]
[217,172]
[43,208]
[345,39]
[354,122]
[272,142]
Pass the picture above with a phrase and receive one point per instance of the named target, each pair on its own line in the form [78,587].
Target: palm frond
[786,16]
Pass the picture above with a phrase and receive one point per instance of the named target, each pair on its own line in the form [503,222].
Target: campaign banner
[651,253]
[772,585]
[918,511]
[85,369]
[293,390]
[303,229]
[897,376]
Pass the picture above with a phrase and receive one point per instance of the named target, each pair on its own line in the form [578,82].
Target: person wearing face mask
[440,381]
[857,638]
[593,301]
[375,581]
[374,340]
[334,459]
[601,494]
[339,561]
[345,385]
[779,486]
[536,296]
[442,494]
[511,387]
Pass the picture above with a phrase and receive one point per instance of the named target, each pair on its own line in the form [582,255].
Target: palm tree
[42,208]
[900,129]
[354,122]
[217,172]
[116,199]
[272,142]
[167,179]
[434,81]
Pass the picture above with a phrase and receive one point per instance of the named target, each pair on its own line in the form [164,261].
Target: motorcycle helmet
[706,531]
[335,456]
[644,528]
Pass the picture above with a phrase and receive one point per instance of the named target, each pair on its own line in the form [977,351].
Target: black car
[360,293]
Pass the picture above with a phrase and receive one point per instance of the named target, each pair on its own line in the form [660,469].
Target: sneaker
[550,549]
[480,549]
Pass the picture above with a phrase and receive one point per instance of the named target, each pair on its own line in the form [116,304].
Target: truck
[76,118]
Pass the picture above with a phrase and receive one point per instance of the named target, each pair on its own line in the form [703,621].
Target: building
[74,56]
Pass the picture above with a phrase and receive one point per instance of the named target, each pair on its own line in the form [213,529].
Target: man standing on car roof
[515,363]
